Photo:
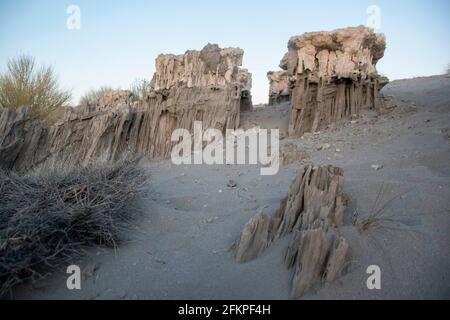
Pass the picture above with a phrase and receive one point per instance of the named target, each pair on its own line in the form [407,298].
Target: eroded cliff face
[204,85]
[211,67]
[245,80]
[334,76]
[280,88]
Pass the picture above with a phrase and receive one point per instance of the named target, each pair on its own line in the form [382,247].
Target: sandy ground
[180,248]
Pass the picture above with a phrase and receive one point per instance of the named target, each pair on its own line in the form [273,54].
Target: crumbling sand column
[332,76]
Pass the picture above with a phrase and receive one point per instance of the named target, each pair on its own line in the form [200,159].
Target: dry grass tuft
[47,218]
[379,218]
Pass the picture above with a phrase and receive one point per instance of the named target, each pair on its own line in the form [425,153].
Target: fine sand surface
[180,248]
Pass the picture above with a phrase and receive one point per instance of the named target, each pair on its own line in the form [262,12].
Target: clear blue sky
[119,40]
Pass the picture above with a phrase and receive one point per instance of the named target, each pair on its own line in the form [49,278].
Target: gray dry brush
[48,217]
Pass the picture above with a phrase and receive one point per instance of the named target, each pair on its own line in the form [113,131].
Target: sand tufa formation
[329,76]
[310,215]
[280,88]
[206,85]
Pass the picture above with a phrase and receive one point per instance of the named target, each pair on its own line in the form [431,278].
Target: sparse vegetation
[379,218]
[24,84]
[48,217]
[139,89]
[90,97]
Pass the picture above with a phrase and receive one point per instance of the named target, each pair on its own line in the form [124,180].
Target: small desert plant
[379,218]
[92,96]
[381,223]
[23,84]
[139,89]
[47,217]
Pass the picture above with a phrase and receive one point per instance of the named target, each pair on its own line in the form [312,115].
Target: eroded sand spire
[329,76]
[310,215]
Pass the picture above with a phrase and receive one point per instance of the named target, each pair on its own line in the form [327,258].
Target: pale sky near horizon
[119,40]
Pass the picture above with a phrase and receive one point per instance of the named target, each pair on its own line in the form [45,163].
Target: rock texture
[211,67]
[280,89]
[291,153]
[245,79]
[113,99]
[334,76]
[204,85]
[310,214]
[254,239]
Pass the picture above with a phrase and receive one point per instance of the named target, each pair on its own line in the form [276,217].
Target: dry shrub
[92,96]
[48,218]
[140,89]
[24,84]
